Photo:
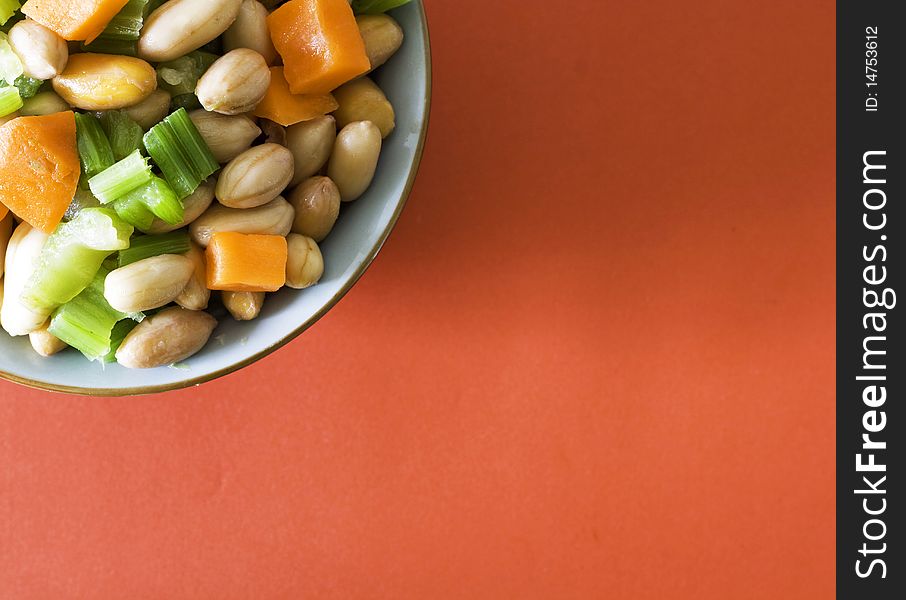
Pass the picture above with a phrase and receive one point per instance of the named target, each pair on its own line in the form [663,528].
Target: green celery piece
[181,76]
[27,86]
[180,152]
[125,135]
[10,101]
[122,33]
[154,199]
[7,9]
[83,199]
[146,246]
[376,7]
[121,178]
[160,199]
[117,335]
[127,24]
[95,152]
[134,212]
[10,65]
[88,322]
[72,256]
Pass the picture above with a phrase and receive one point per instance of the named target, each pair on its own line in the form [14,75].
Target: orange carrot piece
[39,168]
[241,262]
[285,108]
[74,19]
[320,43]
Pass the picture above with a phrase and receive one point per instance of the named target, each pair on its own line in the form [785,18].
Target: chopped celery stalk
[120,179]
[180,152]
[87,322]
[134,212]
[94,148]
[125,135]
[376,7]
[27,86]
[7,9]
[10,101]
[181,76]
[154,199]
[160,199]
[117,335]
[10,65]
[72,256]
[146,246]
[127,24]
[122,32]
[83,199]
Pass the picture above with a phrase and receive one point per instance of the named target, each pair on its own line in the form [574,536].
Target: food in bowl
[153,153]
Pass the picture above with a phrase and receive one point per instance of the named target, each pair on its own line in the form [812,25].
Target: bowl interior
[361,230]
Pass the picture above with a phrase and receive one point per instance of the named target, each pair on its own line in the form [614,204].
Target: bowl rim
[369,259]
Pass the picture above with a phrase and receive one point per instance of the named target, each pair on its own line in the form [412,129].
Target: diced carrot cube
[281,106]
[241,262]
[320,43]
[74,19]
[39,168]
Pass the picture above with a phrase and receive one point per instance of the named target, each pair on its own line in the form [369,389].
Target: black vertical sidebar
[871,370]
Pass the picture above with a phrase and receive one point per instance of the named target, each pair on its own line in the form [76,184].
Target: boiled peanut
[249,30]
[304,265]
[362,100]
[255,177]
[22,255]
[149,283]
[235,83]
[317,205]
[150,111]
[243,306]
[274,132]
[196,294]
[382,35]
[105,81]
[273,218]
[43,103]
[355,158]
[311,143]
[181,26]
[172,335]
[43,53]
[226,136]
[45,343]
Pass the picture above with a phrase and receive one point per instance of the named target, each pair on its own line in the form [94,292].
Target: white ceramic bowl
[358,236]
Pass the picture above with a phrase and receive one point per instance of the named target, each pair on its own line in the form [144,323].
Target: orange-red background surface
[595,360]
